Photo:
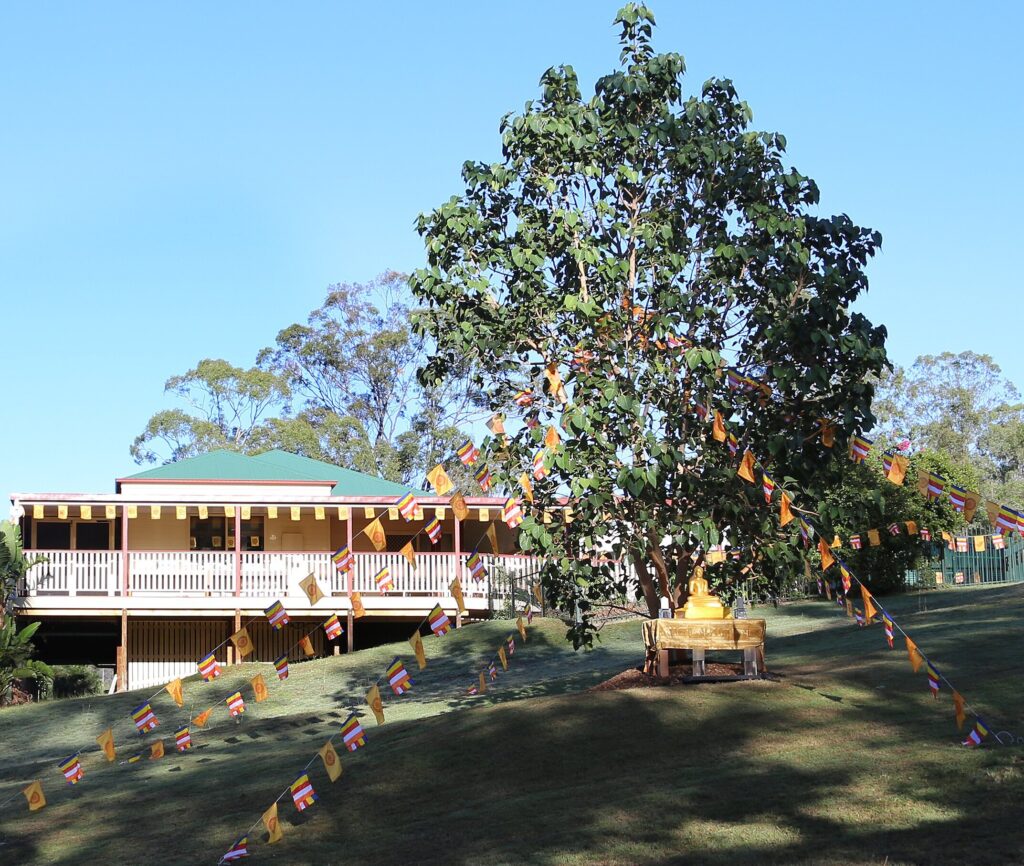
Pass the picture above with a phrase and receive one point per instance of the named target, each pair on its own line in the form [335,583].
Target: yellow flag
[62,512]
[913,655]
[368,512]
[392,514]
[492,537]
[836,542]
[373,699]
[156,751]
[375,532]
[785,515]
[527,485]
[133,510]
[296,512]
[246,512]
[242,642]
[827,559]
[898,470]
[357,605]
[484,515]
[259,688]
[456,589]
[828,590]
[417,647]
[496,424]
[106,741]
[154,512]
[483,683]
[408,552]
[439,480]
[873,538]
[828,432]
[332,764]
[306,645]
[110,511]
[309,586]
[911,527]
[439,512]
[502,658]
[86,512]
[459,507]
[979,543]
[34,796]
[958,709]
[272,512]
[273,825]
[318,512]
[39,512]
[204,512]
[870,611]
[551,438]
[343,512]
[174,690]
[718,427]
[538,594]
[522,627]
[201,720]
[746,470]
[229,511]
[849,608]
[923,476]
[180,512]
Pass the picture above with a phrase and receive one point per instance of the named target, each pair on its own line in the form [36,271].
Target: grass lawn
[845,759]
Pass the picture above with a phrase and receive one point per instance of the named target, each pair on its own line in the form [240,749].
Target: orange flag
[456,590]
[551,438]
[459,507]
[492,537]
[958,708]
[439,480]
[496,424]
[375,532]
[106,741]
[914,655]
[273,825]
[242,642]
[911,527]
[34,796]
[332,764]
[718,427]
[306,645]
[156,751]
[873,538]
[828,432]
[373,699]
[201,720]
[522,627]
[971,503]
[785,515]
[827,559]
[503,658]
[408,552]
[527,485]
[849,608]
[174,690]
[417,647]
[898,470]
[357,606]
[309,586]
[483,683]
[259,687]
[870,611]
[746,470]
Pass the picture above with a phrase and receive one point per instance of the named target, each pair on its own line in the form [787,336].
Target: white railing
[431,576]
[277,575]
[73,572]
[181,572]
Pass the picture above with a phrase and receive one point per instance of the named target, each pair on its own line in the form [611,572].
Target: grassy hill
[845,759]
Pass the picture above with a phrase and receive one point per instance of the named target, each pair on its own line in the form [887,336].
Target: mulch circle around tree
[679,675]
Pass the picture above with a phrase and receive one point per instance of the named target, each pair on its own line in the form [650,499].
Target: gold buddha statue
[702,604]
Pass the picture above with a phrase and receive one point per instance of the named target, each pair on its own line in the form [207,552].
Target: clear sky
[180,181]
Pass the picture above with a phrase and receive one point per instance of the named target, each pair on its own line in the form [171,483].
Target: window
[252,534]
[53,536]
[206,534]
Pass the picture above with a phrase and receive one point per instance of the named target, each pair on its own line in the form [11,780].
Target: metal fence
[954,568]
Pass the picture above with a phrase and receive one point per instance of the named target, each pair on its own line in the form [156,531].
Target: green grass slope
[845,759]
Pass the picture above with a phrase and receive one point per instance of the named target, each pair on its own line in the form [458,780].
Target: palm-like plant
[15,646]
[13,565]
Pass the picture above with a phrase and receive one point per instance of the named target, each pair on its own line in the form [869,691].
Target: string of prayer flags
[874,539]
[383,580]
[306,645]
[209,668]
[332,763]
[332,627]
[914,655]
[439,480]
[888,629]
[174,690]
[483,478]
[459,507]
[236,706]
[433,530]
[303,794]
[785,513]
[106,743]
[71,767]
[894,529]
[259,688]
[33,794]
[438,620]
[375,532]
[239,849]
[201,720]
[409,552]
[933,679]
[416,641]
[768,486]
[860,447]
[144,718]
[511,513]
[502,658]
[156,751]
[895,467]
[936,486]
[958,710]
[356,600]
[352,734]
[242,642]
[977,734]
[374,702]
[272,823]
[827,559]
[182,739]
[957,497]
[539,469]
[343,561]
[281,666]
[277,616]
[455,587]
[468,453]
[475,565]
[398,677]
[407,507]
[870,611]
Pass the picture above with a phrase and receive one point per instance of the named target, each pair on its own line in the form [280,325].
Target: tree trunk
[646,584]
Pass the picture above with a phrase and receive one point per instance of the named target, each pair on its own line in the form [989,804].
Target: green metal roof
[273,466]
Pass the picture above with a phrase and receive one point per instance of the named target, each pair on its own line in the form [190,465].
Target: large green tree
[634,244]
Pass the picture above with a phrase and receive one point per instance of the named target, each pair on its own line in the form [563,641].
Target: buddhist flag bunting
[306,645]
[455,587]
[539,469]
[303,794]
[459,507]
[144,718]
[894,529]
[1007,520]
[925,533]
[734,445]
[888,629]
[492,671]
[874,539]
[977,734]
[957,497]
[718,427]
[332,763]
[845,575]
[332,627]
[281,666]
[870,611]
[511,513]
[277,616]
[33,794]
[416,642]
[238,850]
[913,654]
[895,466]
[242,642]
[343,560]
[209,668]
[961,545]
[156,751]
[439,480]
[72,769]
[409,552]
[352,734]
[106,744]
[259,688]
[510,643]
[433,530]
[398,677]
[236,706]
[182,739]
[768,486]
[407,507]
[522,627]
[958,709]
[375,703]
[383,580]
[439,622]
[936,485]
[468,453]
[272,823]
[979,543]
[502,658]
[785,513]
[855,542]
[933,679]
[860,447]
[174,690]
[492,537]
[483,478]
[375,532]
[998,542]
[201,720]
[827,559]
[356,600]
[475,565]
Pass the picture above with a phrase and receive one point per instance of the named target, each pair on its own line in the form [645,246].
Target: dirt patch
[679,675]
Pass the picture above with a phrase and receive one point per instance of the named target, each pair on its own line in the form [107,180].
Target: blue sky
[180,181]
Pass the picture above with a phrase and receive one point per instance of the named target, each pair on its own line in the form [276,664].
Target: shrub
[76,681]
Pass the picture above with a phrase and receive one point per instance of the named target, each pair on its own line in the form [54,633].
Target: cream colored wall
[316,534]
[167,533]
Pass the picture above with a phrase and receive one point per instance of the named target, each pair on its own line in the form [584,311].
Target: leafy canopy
[626,248]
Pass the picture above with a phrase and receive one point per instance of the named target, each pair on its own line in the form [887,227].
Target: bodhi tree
[638,261]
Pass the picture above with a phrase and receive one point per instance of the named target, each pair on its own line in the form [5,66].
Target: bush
[76,681]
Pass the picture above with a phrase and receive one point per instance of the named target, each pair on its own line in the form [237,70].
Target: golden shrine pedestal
[697,635]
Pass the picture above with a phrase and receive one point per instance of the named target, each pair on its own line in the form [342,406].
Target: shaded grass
[847,759]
